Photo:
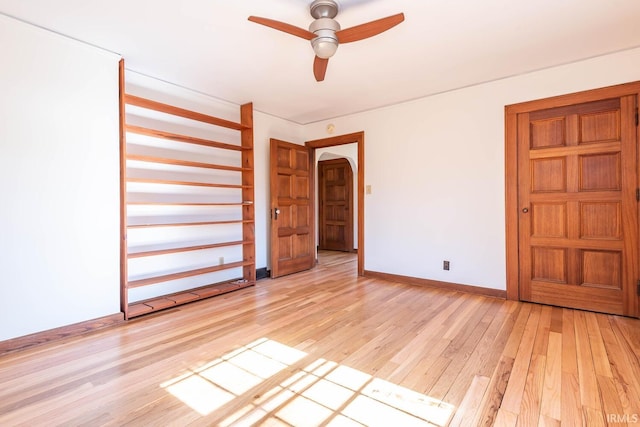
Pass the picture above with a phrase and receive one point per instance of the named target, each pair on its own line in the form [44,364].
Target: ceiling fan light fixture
[325,33]
[324,47]
[325,43]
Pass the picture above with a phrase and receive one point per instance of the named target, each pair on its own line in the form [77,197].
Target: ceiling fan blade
[320,68]
[283,26]
[370,29]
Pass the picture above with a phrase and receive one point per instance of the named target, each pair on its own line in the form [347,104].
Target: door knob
[525,210]
[276,212]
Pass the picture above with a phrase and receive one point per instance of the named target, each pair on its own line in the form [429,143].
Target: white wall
[59,175]
[436,168]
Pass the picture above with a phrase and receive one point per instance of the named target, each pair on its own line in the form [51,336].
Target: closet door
[578,217]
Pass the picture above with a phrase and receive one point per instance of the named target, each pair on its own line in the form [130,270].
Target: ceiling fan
[325,33]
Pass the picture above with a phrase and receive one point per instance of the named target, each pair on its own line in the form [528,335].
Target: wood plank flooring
[325,347]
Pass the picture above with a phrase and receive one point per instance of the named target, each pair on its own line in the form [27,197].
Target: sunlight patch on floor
[321,392]
[222,380]
[200,394]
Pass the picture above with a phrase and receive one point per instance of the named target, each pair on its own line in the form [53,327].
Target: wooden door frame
[349,185]
[511,166]
[358,138]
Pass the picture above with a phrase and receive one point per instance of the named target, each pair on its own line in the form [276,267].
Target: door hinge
[638,194]
[636,116]
[638,287]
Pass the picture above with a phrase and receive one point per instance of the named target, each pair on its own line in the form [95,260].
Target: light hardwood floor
[327,348]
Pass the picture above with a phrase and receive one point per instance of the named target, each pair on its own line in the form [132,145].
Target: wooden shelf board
[186,249]
[188,204]
[183,274]
[167,301]
[181,112]
[186,183]
[137,309]
[187,224]
[156,133]
[185,163]
[160,303]
[184,297]
[228,287]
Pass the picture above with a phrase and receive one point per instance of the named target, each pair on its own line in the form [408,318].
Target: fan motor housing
[324,24]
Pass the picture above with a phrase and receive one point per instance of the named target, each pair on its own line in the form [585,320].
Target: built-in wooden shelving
[145,253]
[188,204]
[187,163]
[182,138]
[186,183]
[187,114]
[183,274]
[155,219]
[172,300]
[188,224]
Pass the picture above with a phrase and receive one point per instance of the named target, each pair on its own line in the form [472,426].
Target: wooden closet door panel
[578,230]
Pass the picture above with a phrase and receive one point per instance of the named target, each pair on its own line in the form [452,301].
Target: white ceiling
[209,46]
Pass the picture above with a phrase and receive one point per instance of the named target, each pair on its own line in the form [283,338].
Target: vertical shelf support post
[248,210]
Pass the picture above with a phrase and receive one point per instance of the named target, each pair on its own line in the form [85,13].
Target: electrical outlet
[445,265]
[221,260]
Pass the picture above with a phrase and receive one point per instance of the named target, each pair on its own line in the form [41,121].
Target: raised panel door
[336,205]
[578,229]
[292,247]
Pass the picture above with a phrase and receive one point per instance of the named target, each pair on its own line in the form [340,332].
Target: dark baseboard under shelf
[262,273]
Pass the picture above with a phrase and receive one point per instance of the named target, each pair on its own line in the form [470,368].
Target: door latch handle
[276,212]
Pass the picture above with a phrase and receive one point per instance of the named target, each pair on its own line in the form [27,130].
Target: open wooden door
[292,237]
[578,207]
[335,196]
